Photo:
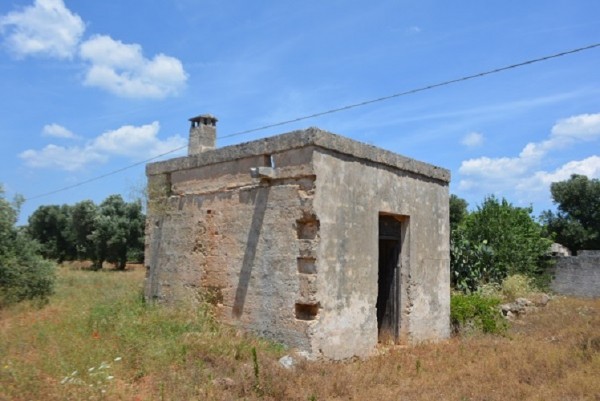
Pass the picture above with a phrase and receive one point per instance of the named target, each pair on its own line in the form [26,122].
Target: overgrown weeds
[517,286]
[96,340]
[68,350]
[479,311]
[474,312]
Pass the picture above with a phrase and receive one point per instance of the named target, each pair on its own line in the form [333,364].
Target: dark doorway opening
[388,296]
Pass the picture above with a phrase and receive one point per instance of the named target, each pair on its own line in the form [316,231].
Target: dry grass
[97,317]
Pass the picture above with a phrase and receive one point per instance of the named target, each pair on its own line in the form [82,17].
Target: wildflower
[71,379]
[96,335]
[117,359]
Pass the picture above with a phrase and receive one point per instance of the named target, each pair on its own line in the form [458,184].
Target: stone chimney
[203,134]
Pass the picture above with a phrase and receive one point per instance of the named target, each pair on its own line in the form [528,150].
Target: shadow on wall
[259,197]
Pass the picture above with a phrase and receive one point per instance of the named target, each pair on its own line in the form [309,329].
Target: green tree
[24,274]
[83,219]
[576,225]
[118,231]
[50,226]
[496,240]
[458,210]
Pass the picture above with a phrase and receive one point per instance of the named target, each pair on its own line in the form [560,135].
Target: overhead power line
[332,111]
[412,91]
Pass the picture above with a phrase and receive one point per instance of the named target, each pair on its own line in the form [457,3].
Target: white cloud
[472,140]
[541,180]
[123,70]
[494,167]
[414,30]
[136,142]
[63,158]
[57,131]
[509,173]
[49,28]
[581,128]
[585,127]
[133,142]
[45,28]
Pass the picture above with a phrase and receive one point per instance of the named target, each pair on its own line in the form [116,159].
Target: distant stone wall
[577,275]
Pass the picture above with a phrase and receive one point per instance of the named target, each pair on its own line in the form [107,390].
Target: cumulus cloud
[60,157]
[584,127]
[542,179]
[57,131]
[494,167]
[123,70]
[45,28]
[133,142]
[472,140]
[522,172]
[136,142]
[49,28]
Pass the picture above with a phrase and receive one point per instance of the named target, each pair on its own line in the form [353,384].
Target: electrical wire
[331,111]
[412,91]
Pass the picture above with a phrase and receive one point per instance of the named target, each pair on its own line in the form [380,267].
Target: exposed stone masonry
[281,235]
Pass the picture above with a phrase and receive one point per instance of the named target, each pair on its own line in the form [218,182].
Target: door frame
[391,228]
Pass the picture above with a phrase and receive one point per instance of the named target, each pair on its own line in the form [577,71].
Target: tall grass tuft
[516,286]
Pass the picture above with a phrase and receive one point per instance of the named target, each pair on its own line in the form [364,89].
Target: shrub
[517,286]
[31,278]
[23,273]
[496,240]
[474,312]
[490,290]
[471,263]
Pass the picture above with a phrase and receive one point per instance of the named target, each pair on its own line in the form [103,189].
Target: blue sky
[93,86]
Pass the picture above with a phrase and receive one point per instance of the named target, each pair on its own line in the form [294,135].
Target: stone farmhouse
[313,240]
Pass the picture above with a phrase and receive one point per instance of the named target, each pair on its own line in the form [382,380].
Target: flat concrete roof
[300,139]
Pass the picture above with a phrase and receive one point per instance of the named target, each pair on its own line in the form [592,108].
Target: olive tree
[118,232]
[50,226]
[576,224]
[82,221]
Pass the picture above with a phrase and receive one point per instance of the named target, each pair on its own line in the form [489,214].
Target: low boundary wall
[577,275]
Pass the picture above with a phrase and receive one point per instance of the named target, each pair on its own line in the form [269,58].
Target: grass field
[98,340]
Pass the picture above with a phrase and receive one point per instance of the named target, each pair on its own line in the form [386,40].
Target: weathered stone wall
[291,250]
[234,239]
[577,275]
[350,195]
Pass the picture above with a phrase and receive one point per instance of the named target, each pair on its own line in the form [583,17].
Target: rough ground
[96,317]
